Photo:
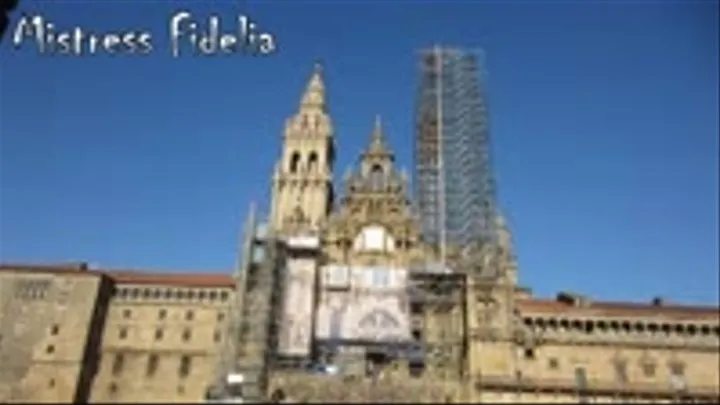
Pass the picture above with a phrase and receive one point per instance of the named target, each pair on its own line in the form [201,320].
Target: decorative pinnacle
[314,96]
[377,138]
[377,131]
[318,67]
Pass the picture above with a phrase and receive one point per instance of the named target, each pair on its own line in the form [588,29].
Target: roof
[175,279]
[121,276]
[528,306]
[618,309]
[79,269]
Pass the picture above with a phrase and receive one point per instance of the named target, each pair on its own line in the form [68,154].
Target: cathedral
[338,298]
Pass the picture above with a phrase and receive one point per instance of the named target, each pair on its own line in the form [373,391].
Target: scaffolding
[457,210]
[260,316]
[454,187]
[438,309]
[429,368]
[243,364]
[432,367]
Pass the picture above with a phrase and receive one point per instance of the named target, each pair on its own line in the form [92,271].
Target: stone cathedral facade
[70,333]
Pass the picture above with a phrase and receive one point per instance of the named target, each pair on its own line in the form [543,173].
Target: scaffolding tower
[454,185]
[243,364]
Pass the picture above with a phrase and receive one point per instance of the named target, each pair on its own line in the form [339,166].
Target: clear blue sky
[604,118]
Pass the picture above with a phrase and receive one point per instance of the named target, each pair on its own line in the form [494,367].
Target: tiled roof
[79,269]
[529,306]
[175,279]
[618,309]
[195,279]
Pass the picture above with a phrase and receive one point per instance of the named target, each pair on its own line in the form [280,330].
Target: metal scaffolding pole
[454,186]
[440,159]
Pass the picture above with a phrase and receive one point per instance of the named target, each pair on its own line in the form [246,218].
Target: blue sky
[604,118]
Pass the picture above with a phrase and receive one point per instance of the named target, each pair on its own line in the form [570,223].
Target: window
[122,334]
[376,178]
[278,396]
[51,383]
[621,374]
[189,315]
[677,375]
[677,368]
[312,162]
[294,162]
[112,388]
[31,289]
[336,276]
[530,354]
[50,349]
[162,314]
[220,316]
[184,369]
[380,277]
[648,369]
[581,383]
[159,334]
[152,365]
[126,313]
[553,363]
[118,364]
[581,378]
[212,295]
[223,296]
[187,334]
[54,330]
[217,336]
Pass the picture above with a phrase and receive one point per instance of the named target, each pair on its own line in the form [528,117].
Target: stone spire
[377,139]
[314,96]
[504,235]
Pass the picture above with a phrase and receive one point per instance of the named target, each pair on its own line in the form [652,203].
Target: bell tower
[302,192]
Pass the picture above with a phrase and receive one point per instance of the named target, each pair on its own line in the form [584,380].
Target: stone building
[346,283]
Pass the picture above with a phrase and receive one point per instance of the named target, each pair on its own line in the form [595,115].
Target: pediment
[378,318]
[381,324]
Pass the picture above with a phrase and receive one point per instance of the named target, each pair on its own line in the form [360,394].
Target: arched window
[312,162]
[376,178]
[294,162]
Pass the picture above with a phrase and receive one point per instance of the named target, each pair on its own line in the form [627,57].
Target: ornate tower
[302,193]
[373,224]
